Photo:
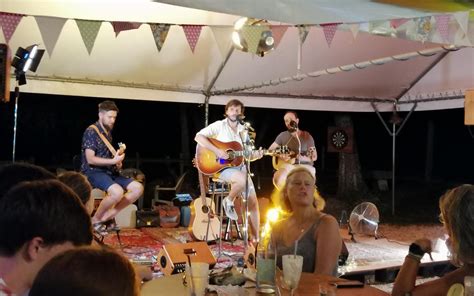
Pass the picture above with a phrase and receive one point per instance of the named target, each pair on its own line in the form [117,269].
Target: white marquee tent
[129,65]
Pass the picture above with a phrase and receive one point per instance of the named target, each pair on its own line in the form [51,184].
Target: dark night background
[50,130]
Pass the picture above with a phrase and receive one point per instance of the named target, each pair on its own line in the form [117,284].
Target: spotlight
[26,60]
[245,27]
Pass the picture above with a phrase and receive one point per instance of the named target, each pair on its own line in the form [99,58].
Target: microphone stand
[299,145]
[245,137]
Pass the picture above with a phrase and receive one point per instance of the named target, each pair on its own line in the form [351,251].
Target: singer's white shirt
[222,131]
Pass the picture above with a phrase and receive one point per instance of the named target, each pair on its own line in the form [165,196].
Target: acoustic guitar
[209,163]
[204,224]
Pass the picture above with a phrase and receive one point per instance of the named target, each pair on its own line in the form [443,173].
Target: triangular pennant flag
[223,37]
[462,18]
[354,28]
[423,28]
[442,25]
[89,31]
[395,23]
[9,22]
[192,33]
[252,35]
[329,32]
[124,26]
[277,33]
[159,31]
[50,28]
[303,31]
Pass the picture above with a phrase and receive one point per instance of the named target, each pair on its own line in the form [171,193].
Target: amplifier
[172,257]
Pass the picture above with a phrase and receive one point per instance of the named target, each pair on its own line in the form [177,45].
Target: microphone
[293,124]
[240,119]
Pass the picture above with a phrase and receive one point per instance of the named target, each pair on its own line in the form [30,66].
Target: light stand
[24,60]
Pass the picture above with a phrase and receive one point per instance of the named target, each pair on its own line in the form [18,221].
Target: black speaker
[4,74]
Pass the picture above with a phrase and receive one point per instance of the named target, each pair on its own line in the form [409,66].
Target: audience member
[38,220]
[87,271]
[14,173]
[457,215]
[319,241]
[81,186]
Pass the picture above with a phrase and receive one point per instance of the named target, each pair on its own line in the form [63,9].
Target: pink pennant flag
[278,32]
[395,23]
[9,22]
[442,24]
[192,33]
[329,32]
[124,26]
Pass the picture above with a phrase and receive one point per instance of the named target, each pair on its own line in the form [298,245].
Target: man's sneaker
[111,225]
[99,228]
[229,209]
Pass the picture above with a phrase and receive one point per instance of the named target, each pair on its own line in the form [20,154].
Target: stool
[219,189]
[98,195]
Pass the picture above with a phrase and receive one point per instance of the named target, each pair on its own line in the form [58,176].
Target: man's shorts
[103,180]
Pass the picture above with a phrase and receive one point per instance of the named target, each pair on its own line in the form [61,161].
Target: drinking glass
[292,267]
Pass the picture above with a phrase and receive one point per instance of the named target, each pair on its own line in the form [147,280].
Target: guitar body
[207,161]
[203,220]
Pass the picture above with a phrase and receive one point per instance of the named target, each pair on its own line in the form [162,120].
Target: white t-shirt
[222,131]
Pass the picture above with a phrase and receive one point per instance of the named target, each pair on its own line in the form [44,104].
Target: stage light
[243,30]
[26,60]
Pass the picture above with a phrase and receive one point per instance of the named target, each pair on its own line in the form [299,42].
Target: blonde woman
[457,215]
[319,241]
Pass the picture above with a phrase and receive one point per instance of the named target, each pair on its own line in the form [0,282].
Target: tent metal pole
[394,133]
[207,92]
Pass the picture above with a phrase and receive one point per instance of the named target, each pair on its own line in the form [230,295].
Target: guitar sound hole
[205,209]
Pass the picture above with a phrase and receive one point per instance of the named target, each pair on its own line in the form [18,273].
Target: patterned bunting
[303,30]
[160,32]
[124,26]
[9,22]
[278,32]
[329,32]
[442,25]
[50,28]
[422,28]
[252,35]
[463,20]
[89,31]
[223,37]
[192,33]
[397,23]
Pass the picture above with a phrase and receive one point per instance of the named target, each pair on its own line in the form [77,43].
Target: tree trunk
[351,185]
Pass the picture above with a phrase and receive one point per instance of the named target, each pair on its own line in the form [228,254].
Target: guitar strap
[104,139]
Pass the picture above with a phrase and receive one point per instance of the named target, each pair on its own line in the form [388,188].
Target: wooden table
[309,285]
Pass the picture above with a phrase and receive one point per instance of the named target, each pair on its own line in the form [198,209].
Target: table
[309,285]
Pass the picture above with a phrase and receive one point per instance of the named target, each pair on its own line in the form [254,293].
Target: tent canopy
[130,66]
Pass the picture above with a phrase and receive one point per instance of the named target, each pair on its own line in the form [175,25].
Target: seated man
[302,149]
[38,220]
[101,164]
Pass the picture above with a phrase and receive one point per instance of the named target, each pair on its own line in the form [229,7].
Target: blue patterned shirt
[91,140]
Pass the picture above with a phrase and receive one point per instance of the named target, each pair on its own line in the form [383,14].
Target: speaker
[172,257]
[4,74]
[469,107]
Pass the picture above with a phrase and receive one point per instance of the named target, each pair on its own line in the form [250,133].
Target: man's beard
[107,127]
[291,129]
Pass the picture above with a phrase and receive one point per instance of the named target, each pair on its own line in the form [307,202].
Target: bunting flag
[303,30]
[278,32]
[124,26]
[423,28]
[89,31]
[329,32]
[442,25]
[50,28]
[223,37]
[9,22]
[252,35]
[462,18]
[354,28]
[192,33]
[160,32]
[397,23]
